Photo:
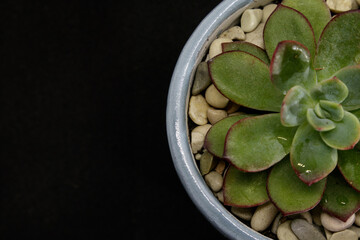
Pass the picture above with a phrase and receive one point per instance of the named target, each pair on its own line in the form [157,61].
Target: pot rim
[177,127]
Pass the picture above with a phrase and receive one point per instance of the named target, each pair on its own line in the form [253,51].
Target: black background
[83,98]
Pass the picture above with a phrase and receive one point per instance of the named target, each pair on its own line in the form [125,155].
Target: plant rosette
[305,88]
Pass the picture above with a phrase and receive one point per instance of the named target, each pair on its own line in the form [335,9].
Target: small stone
[263,216]
[267,11]
[256,36]
[334,224]
[198,156]
[215,98]
[232,107]
[276,223]
[215,115]
[234,33]
[202,79]
[216,48]
[339,6]
[220,167]
[220,196]
[243,213]
[304,215]
[344,235]
[304,230]
[250,19]
[214,180]
[355,230]
[316,212]
[207,163]
[357,218]
[198,137]
[358,2]
[284,232]
[198,110]
[328,234]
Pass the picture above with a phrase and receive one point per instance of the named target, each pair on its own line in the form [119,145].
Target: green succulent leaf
[318,111]
[249,138]
[346,134]
[331,110]
[215,137]
[310,157]
[294,107]
[332,90]
[243,189]
[339,44]
[288,24]
[245,80]
[340,199]
[350,76]
[289,193]
[349,166]
[246,47]
[356,113]
[319,124]
[316,11]
[291,66]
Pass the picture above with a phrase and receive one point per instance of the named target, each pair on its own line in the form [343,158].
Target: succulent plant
[298,149]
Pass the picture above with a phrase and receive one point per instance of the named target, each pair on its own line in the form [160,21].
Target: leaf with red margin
[345,135]
[340,199]
[243,189]
[349,166]
[310,157]
[215,137]
[291,66]
[338,46]
[256,143]
[288,193]
[288,24]
[246,47]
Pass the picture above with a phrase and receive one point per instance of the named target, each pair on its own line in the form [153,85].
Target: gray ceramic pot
[223,16]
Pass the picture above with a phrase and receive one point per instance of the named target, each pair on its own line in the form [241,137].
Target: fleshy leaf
[231,73]
[310,157]
[318,111]
[294,107]
[246,47]
[215,137]
[350,76]
[291,66]
[331,110]
[349,166]
[249,138]
[340,199]
[289,193]
[288,24]
[319,124]
[346,134]
[316,11]
[243,189]
[339,44]
[332,89]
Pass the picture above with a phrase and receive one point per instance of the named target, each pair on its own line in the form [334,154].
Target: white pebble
[256,36]
[243,213]
[263,216]
[216,48]
[250,19]
[276,223]
[284,232]
[358,2]
[215,115]
[215,98]
[268,9]
[334,224]
[220,196]
[233,33]
[355,230]
[198,110]
[339,6]
[328,234]
[220,167]
[198,136]
[344,235]
[357,218]
[214,180]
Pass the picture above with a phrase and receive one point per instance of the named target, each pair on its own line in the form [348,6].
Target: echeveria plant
[306,88]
